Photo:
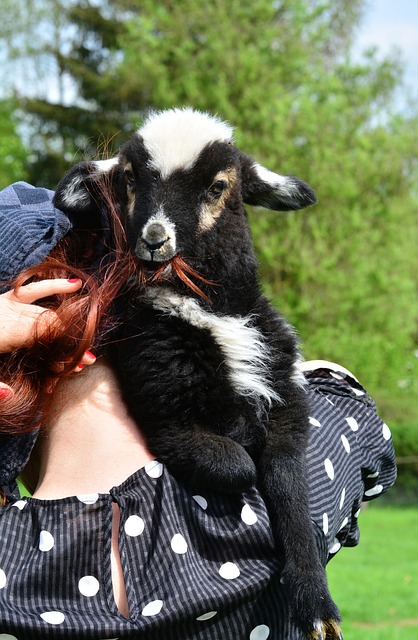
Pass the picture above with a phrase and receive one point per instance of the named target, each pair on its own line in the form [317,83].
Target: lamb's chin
[156,270]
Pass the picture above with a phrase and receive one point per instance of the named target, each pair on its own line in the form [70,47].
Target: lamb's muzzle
[156,243]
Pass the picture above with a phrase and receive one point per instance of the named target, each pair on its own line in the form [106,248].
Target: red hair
[33,372]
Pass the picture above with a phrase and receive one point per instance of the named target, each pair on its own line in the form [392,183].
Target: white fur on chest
[246,355]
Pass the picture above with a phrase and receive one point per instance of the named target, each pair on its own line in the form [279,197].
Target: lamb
[209,371]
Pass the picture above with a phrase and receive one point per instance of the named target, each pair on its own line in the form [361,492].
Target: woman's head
[38,242]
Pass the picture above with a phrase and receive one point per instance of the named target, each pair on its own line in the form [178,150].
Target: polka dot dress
[195,566]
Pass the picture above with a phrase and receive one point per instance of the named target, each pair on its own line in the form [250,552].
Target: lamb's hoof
[326,630]
[314,611]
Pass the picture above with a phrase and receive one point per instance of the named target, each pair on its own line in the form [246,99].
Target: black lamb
[210,373]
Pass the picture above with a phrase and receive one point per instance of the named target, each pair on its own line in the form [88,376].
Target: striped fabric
[196,567]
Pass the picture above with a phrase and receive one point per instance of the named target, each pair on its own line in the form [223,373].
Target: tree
[13,154]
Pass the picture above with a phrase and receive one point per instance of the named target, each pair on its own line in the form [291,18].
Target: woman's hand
[19,317]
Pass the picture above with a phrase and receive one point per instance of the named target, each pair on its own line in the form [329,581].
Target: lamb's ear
[263,188]
[80,193]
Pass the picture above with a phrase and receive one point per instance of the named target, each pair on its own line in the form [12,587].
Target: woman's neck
[90,443]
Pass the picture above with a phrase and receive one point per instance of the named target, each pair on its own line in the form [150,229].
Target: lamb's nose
[153,246]
[155,236]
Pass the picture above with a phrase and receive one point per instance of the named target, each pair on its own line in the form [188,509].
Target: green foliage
[406,446]
[12,151]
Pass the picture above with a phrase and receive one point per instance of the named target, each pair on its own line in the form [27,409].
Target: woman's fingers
[6,392]
[19,316]
[88,358]
[29,293]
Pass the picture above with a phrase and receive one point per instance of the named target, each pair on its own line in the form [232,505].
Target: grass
[376,584]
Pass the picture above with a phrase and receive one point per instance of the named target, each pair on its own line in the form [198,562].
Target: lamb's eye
[216,189]
[130,178]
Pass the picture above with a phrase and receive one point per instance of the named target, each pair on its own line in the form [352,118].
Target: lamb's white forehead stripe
[175,138]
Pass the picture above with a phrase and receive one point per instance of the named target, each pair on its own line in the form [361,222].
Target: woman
[110,545]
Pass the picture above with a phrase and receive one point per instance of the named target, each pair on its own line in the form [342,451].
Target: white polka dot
[325,523]
[329,468]
[88,498]
[152,608]
[335,546]
[336,375]
[229,571]
[201,501]
[53,617]
[357,513]
[261,632]
[373,475]
[7,636]
[134,526]
[314,422]
[342,498]
[20,504]
[248,515]
[154,469]
[374,491]
[88,586]
[357,392]
[343,524]
[3,579]
[207,616]
[346,443]
[352,423]
[178,543]
[386,432]
[46,541]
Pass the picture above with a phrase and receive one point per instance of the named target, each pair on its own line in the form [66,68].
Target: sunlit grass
[376,583]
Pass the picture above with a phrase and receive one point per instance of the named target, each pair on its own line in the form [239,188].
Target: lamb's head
[181,185]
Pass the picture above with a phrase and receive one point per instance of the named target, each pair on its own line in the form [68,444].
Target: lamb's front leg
[283,484]
[203,460]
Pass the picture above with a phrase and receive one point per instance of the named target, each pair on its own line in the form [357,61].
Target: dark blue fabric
[30,227]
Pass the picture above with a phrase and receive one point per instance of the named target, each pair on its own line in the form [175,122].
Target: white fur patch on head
[246,355]
[76,194]
[175,138]
[283,184]
[104,166]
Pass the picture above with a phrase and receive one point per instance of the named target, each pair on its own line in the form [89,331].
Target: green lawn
[376,583]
